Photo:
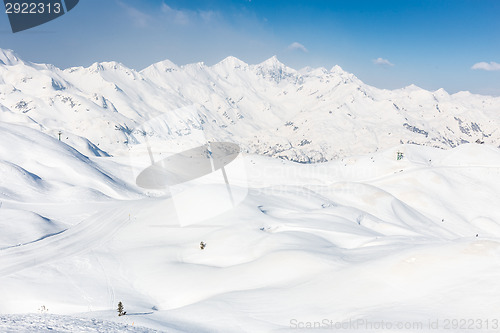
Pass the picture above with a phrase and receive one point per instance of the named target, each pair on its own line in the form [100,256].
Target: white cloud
[139,18]
[185,16]
[207,15]
[297,46]
[485,66]
[177,16]
[382,62]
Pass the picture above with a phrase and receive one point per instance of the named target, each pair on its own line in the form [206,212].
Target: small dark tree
[120,309]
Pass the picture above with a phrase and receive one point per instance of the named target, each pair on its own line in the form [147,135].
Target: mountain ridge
[307,115]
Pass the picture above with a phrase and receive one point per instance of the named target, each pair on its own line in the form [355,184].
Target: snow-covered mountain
[367,239]
[309,115]
[363,239]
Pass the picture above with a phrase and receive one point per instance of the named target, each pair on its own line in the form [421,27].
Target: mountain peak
[167,64]
[275,70]
[161,66]
[272,62]
[107,65]
[441,91]
[232,62]
[337,69]
[412,88]
[8,57]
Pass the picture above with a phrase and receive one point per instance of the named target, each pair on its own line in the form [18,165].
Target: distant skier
[202,245]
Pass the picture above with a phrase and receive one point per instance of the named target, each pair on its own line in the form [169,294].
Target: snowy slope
[361,238]
[37,167]
[62,324]
[308,115]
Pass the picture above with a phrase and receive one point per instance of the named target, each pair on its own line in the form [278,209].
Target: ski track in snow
[79,238]
[287,249]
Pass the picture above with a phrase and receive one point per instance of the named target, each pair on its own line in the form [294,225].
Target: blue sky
[451,44]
